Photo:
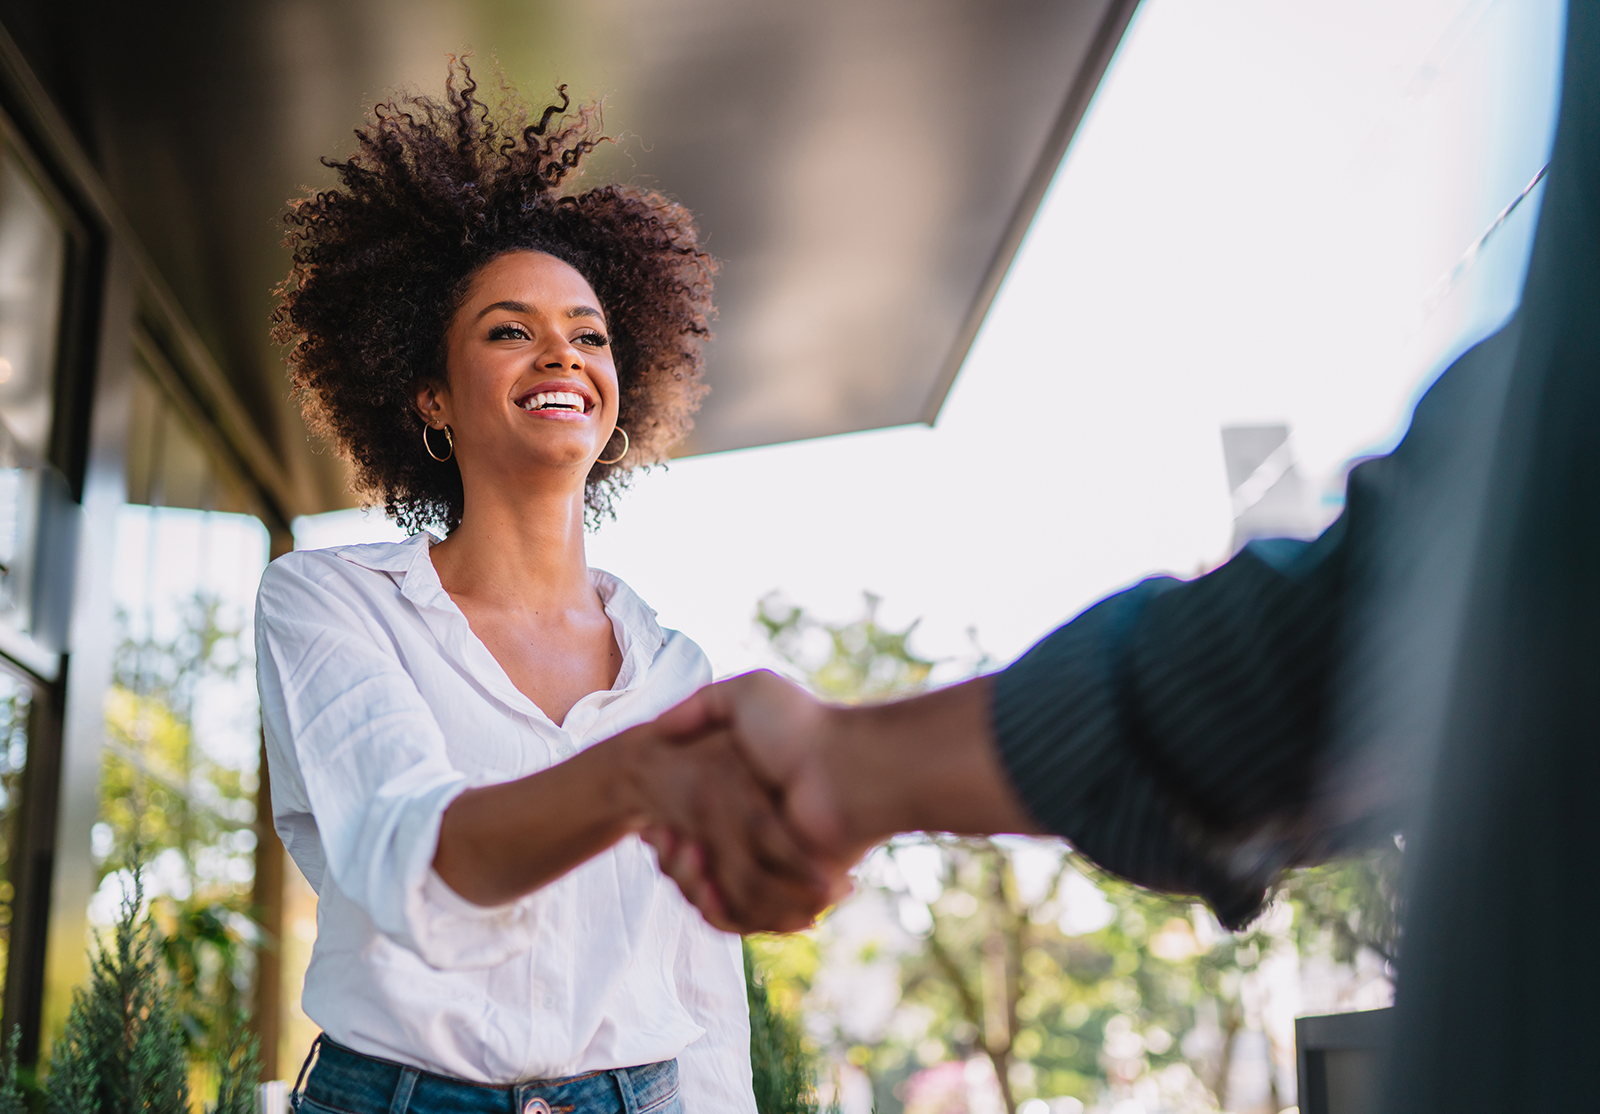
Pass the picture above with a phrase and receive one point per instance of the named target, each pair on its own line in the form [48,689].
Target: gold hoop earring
[451,441]
[626,445]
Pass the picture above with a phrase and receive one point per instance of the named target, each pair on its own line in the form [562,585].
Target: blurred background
[1120,287]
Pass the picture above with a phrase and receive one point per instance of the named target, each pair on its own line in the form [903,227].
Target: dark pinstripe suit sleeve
[1200,736]
[1170,732]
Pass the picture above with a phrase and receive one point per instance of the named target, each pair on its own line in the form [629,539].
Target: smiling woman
[446,721]
[436,192]
[535,372]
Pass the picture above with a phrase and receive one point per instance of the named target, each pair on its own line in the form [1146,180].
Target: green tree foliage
[1155,996]
[862,661]
[784,1070]
[993,974]
[1351,904]
[971,965]
[122,1050]
[164,794]
[12,1098]
[238,1068]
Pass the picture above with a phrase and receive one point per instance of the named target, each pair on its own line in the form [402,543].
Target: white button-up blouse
[380,706]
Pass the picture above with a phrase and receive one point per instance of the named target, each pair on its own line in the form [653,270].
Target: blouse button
[566,750]
[549,1001]
[536,1106]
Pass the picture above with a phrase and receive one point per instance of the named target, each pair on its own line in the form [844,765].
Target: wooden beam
[267,898]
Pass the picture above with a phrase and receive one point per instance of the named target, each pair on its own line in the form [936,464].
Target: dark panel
[1340,1059]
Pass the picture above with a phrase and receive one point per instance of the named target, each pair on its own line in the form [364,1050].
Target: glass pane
[33,252]
[16,698]
[182,724]
[168,465]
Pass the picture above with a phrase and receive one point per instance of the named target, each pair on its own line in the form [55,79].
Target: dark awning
[864,168]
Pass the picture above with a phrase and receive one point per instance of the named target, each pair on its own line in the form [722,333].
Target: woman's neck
[520,548]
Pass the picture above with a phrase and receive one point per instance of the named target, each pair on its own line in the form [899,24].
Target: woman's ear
[430,399]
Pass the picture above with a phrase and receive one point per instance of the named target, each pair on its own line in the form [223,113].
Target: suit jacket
[1431,664]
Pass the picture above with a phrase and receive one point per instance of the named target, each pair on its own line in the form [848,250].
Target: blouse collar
[409,564]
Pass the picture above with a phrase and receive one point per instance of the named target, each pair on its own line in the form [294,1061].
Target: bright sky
[1255,223]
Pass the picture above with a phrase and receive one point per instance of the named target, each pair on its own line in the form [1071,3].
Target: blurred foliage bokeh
[168,800]
[123,1046]
[1017,966]
[15,704]
[783,1066]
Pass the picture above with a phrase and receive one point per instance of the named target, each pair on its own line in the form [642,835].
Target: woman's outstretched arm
[367,798]
[499,842]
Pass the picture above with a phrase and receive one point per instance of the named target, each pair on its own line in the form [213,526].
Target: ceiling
[864,169]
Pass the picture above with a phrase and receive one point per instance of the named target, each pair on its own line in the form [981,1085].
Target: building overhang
[864,172]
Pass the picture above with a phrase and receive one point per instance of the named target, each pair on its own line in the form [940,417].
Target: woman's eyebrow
[512,307]
[524,307]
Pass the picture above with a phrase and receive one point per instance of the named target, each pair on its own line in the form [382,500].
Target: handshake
[759,799]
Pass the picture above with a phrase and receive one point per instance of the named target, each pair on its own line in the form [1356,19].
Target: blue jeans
[348,1082]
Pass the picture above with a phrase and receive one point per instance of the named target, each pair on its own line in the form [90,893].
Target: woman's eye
[508,332]
[595,340]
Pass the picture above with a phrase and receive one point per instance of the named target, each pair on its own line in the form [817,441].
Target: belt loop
[624,1080]
[297,1094]
[402,1091]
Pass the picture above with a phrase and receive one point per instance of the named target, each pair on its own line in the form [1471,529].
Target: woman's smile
[558,399]
[527,344]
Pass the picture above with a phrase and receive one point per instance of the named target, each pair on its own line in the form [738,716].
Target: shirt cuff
[445,929]
[451,932]
[1060,717]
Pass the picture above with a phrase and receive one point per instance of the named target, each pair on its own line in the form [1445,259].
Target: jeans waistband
[345,1081]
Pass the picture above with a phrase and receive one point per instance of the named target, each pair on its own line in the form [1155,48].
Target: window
[182,727]
[37,512]
[38,519]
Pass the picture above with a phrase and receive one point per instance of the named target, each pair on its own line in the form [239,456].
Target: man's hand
[717,830]
[842,779]
[790,740]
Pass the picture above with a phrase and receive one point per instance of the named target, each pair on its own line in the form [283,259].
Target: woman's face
[532,386]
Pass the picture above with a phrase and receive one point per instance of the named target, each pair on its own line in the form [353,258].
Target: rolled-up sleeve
[360,776]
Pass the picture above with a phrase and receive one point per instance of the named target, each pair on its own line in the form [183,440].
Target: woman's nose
[562,354]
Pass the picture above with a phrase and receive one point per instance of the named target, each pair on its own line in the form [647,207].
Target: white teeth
[566,400]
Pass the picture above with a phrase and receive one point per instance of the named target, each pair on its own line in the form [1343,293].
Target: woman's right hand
[718,833]
[691,794]
[841,779]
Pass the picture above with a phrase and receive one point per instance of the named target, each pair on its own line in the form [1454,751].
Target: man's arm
[1170,732]
[847,777]
[1193,736]
[852,776]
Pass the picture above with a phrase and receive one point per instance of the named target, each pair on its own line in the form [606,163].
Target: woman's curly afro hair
[435,190]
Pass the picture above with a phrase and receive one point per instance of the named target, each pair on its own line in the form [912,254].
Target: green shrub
[784,1070]
[12,1099]
[122,1051]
